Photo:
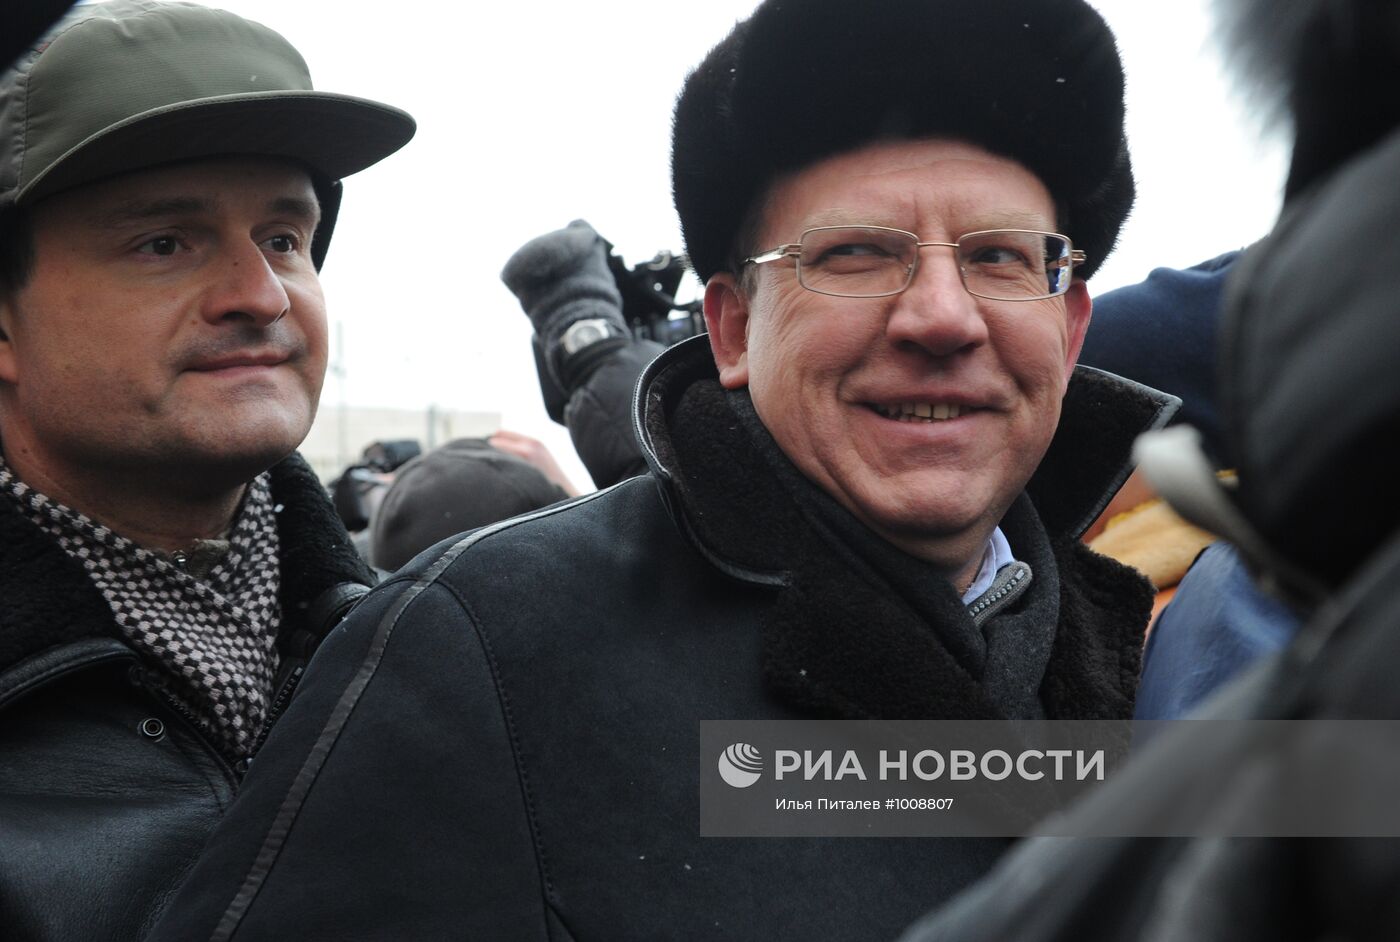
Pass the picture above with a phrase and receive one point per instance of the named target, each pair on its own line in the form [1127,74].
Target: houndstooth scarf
[215,637]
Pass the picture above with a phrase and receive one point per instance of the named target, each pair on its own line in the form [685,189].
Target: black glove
[561,278]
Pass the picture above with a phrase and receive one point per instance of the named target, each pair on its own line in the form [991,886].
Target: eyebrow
[296,206]
[838,217]
[993,220]
[140,210]
[1014,221]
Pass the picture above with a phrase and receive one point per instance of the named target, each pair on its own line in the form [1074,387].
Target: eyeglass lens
[1003,264]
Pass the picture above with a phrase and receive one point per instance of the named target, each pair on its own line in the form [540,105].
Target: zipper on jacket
[279,703]
[1010,583]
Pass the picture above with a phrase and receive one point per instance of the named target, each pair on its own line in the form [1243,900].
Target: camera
[649,298]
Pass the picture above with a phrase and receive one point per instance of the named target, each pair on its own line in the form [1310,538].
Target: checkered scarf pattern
[216,637]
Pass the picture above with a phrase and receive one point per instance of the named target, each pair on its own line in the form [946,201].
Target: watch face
[584,333]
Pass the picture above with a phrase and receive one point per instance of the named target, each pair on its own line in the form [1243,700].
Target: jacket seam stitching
[517,750]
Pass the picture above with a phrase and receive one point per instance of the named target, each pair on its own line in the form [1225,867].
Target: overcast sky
[533,114]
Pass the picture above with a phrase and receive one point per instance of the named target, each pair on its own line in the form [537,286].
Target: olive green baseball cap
[131,84]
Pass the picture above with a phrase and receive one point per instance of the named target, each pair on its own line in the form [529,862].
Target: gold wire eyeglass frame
[794,250]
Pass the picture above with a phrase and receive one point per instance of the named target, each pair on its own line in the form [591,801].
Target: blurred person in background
[425,515]
[464,484]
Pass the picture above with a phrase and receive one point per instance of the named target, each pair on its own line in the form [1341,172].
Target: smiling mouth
[234,363]
[920,411]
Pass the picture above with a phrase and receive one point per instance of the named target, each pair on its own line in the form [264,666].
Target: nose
[935,313]
[244,288]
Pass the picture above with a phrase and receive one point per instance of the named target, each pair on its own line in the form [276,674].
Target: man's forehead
[265,185]
[899,183]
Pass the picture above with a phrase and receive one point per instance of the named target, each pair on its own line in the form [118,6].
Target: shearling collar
[838,640]
[49,600]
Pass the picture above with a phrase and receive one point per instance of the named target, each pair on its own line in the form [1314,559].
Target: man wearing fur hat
[859,507]
[168,181]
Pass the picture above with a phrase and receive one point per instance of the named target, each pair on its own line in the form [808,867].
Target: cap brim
[336,135]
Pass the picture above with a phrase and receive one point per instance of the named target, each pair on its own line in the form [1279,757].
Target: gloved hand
[562,277]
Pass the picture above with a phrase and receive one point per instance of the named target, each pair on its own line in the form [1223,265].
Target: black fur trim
[838,641]
[1036,80]
[46,597]
[315,552]
[1097,657]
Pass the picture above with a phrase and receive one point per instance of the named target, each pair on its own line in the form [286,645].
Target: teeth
[921,411]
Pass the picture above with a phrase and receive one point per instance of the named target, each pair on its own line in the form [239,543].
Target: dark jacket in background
[1217,625]
[1161,332]
[599,415]
[502,743]
[107,791]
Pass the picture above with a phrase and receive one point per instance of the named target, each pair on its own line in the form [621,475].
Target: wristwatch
[587,332]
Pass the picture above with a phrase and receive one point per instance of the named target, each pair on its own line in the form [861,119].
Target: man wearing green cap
[168,183]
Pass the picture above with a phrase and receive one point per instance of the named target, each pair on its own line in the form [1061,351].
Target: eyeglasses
[876,261]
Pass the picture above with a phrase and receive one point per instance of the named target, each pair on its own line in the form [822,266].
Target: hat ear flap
[329,194]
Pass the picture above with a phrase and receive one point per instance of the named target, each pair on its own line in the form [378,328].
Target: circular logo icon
[740,765]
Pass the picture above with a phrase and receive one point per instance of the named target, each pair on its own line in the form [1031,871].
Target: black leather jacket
[107,789]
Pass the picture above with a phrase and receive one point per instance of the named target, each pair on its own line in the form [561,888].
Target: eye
[856,248]
[997,255]
[160,245]
[282,244]
[844,255]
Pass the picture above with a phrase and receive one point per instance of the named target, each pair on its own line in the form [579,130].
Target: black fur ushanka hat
[1038,81]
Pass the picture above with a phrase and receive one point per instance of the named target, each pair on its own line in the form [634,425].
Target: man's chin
[234,454]
[942,532]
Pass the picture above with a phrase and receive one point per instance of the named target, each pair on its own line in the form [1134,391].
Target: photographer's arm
[599,415]
[587,352]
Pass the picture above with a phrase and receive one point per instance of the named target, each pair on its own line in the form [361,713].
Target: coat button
[153,729]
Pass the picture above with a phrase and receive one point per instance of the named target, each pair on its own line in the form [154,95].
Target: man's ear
[727,319]
[1079,308]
